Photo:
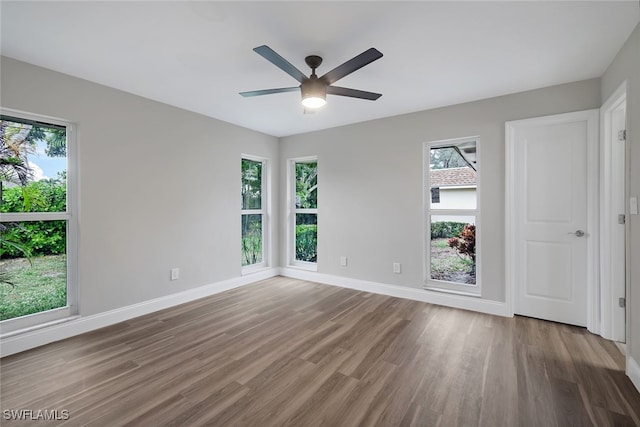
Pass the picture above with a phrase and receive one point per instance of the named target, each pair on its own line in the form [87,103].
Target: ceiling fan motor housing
[314,87]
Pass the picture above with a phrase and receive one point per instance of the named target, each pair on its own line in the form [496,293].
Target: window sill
[301,265]
[251,269]
[38,327]
[467,293]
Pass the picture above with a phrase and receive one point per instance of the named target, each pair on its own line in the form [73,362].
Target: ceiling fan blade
[269,91]
[270,55]
[353,93]
[366,57]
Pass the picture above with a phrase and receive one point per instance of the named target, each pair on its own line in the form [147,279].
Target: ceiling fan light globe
[313,102]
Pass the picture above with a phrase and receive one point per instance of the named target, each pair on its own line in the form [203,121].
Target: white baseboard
[633,371]
[57,331]
[433,297]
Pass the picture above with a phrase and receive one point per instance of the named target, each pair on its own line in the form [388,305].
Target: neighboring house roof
[452,177]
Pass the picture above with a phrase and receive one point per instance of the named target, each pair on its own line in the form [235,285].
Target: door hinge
[622,302]
[621,219]
[622,135]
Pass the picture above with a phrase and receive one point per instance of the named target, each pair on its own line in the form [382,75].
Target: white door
[548,160]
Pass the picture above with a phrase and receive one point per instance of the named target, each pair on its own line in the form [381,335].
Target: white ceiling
[198,55]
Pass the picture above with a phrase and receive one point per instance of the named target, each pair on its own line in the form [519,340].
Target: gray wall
[155,185]
[370,183]
[626,66]
[159,186]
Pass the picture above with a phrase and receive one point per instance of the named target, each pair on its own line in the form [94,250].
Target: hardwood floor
[284,352]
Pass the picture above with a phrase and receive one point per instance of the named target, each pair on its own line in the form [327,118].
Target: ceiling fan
[314,89]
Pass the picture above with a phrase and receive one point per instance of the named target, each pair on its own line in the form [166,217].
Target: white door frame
[593,296]
[610,325]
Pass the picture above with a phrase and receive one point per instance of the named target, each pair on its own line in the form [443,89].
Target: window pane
[307,237]
[452,180]
[307,185]
[453,249]
[33,170]
[251,239]
[251,184]
[33,267]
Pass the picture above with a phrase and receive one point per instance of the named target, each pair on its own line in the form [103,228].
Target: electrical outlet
[175,273]
[343,261]
[396,267]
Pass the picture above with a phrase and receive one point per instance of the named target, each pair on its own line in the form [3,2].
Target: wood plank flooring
[284,352]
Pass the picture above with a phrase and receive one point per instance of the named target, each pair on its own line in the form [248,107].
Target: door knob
[578,233]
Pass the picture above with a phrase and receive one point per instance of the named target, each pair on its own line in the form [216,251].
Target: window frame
[293,210]
[444,285]
[264,211]
[29,322]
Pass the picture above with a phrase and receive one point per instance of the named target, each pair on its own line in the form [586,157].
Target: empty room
[320,213]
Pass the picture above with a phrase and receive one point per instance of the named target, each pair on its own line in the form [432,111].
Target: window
[37,221]
[303,191]
[253,214]
[451,215]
